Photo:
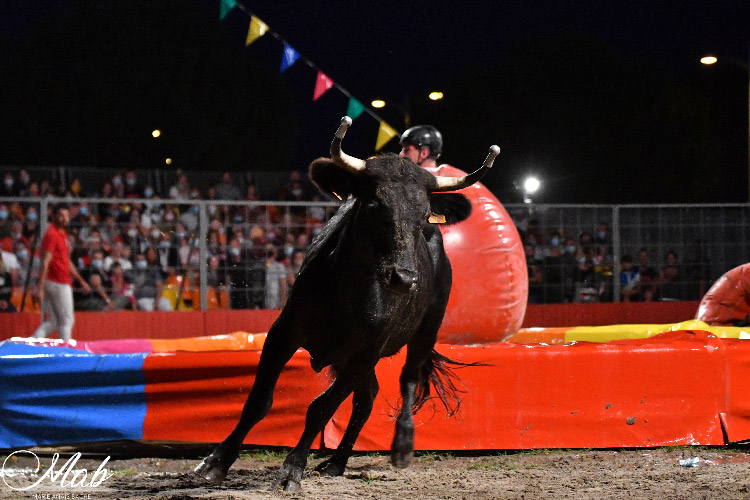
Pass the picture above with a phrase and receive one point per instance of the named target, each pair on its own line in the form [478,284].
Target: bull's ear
[455,207]
[331,180]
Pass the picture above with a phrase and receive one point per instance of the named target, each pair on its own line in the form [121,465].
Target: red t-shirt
[55,241]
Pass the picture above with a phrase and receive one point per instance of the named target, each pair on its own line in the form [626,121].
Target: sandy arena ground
[581,474]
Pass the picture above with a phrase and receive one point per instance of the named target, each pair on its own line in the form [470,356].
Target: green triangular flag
[225,6]
[355,108]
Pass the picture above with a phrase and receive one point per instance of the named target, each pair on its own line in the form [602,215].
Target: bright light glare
[378,103]
[435,96]
[156,133]
[708,60]
[168,161]
[531,185]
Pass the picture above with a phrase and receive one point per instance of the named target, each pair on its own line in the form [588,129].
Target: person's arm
[74,272]
[282,281]
[46,259]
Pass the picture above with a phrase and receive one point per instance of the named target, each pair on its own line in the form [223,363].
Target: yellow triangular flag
[256,30]
[385,134]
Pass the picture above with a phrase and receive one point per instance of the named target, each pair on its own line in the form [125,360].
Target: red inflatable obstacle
[490,281]
[728,300]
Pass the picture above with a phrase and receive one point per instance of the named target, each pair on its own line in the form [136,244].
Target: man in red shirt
[55,286]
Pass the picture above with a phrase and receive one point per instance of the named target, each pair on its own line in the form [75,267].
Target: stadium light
[530,186]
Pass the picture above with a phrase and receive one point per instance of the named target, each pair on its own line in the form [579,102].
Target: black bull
[376,279]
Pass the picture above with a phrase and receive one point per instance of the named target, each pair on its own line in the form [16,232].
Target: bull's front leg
[319,413]
[364,396]
[276,353]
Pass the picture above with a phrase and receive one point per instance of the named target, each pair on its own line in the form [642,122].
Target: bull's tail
[437,372]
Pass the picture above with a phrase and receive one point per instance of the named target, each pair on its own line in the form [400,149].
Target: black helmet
[424,136]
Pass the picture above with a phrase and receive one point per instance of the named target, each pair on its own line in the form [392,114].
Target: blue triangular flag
[289,57]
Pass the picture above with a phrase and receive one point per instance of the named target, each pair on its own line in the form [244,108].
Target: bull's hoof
[211,473]
[289,479]
[330,468]
[401,459]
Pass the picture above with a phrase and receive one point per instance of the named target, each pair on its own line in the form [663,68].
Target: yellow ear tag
[436,219]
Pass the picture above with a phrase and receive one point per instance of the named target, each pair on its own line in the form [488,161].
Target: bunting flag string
[323,83]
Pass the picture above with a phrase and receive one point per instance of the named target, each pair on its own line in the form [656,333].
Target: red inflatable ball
[727,302]
[490,280]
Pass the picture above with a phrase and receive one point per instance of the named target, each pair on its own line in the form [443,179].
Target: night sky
[605,101]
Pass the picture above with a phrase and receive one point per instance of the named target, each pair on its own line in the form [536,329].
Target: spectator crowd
[145,255]
[579,268]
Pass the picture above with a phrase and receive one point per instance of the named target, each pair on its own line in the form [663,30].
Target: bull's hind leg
[277,351]
[364,395]
[318,414]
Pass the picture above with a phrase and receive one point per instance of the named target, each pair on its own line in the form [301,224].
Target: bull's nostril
[403,280]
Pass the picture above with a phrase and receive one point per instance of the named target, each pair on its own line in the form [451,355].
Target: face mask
[602,235]
[155,234]
[169,216]
[234,251]
[148,192]
[554,242]
[237,218]
[32,216]
[117,181]
[180,234]
[288,251]
[132,233]
[156,217]
[570,249]
[97,263]
[22,254]
[212,209]
[196,209]
[141,264]
[130,182]
[3,214]
[164,244]
[8,183]
[83,211]
[297,192]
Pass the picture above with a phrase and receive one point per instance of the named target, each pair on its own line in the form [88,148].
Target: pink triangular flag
[322,85]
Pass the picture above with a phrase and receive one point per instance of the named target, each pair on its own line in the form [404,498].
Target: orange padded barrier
[666,390]
[676,388]
[198,397]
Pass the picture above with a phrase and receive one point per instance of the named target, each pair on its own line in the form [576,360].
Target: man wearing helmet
[422,145]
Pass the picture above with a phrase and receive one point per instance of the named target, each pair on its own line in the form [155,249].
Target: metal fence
[707,241]
[206,254]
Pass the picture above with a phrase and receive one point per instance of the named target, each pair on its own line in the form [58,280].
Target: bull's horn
[456,183]
[350,163]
